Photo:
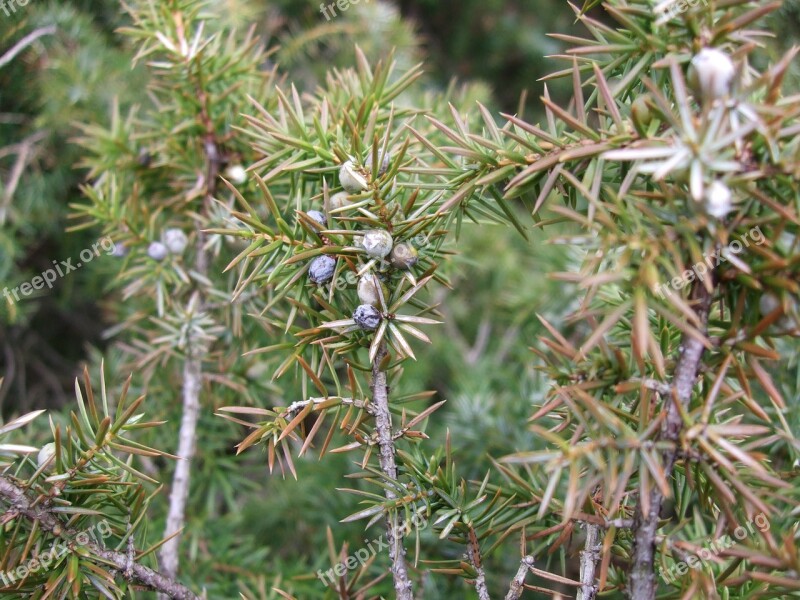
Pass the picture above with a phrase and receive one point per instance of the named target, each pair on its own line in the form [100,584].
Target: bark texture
[192,375]
[518,583]
[643,578]
[590,556]
[386,457]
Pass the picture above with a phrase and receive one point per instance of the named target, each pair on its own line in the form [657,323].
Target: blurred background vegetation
[239,537]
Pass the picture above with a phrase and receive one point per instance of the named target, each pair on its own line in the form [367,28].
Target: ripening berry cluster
[378,246]
[174,241]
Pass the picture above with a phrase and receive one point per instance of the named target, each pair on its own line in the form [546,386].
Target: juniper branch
[589,559]
[135,573]
[474,555]
[386,457]
[643,583]
[193,364]
[25,42]
[518,583]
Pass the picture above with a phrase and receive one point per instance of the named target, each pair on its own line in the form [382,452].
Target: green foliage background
[246,526]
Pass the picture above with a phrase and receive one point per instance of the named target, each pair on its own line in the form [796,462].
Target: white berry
[378,243]
[318,217]
[768,303]
[352,181]
[711,74]
[339,200]
[157,251]
[175,240]
[370,290]
[718,200]
[47,453]
[236,174]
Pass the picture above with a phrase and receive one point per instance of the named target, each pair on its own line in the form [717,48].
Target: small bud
[404,256]
[339,200]
[175,240]
[711,74]
[120,250]
[157,251]
[352,181]
[383,161]
[370,289]
[377,243]
[322,269]
[768,303]
[642,115]
[145,159]
[47,452]
[367,317]
[318,217]
[236,174]
[718,200]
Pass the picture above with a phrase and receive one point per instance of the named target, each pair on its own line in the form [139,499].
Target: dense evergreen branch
[135,573]
[193,364]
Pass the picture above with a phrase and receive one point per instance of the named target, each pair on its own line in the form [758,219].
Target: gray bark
[518,583]
[386,457]
[590,556]
[192,374]
[643,579]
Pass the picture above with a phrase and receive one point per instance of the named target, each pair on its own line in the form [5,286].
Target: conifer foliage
[314,230]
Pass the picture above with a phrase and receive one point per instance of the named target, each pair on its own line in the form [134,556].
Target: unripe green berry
[367,317]
[322,269]
[642,115]
[378,243]
[404,256]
